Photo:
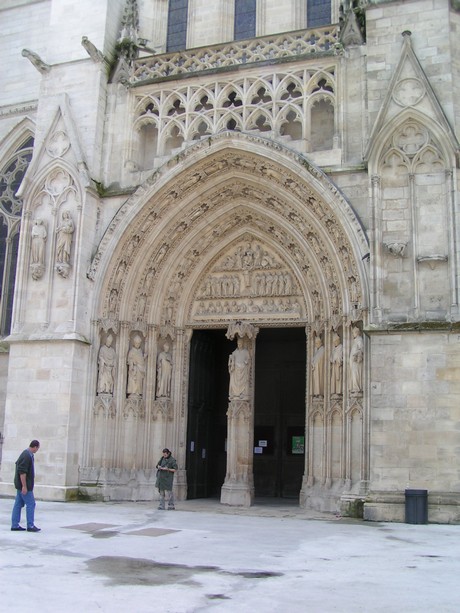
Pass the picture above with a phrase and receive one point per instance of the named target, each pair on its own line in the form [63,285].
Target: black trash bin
[416,506]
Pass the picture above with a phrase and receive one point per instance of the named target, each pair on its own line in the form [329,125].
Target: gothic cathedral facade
[232,228]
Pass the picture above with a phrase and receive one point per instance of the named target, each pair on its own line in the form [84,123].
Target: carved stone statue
[239,368]
[317,368]
[164,372]
[356,361]
[106,365]
[64,233]
[39,236]
[336,365]
[136,368]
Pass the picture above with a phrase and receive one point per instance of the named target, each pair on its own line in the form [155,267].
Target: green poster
[298,444]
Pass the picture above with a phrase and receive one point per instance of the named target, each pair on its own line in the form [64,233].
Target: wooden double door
[279,412]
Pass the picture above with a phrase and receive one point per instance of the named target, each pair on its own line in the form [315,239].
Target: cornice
[11,110]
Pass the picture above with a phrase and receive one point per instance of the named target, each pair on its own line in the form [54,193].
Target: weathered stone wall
[45,402]
[385,23]
[414,417]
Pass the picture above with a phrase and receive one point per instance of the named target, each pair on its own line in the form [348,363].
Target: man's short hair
[34,443]
[166,450]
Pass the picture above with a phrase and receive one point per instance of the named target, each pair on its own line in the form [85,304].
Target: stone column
[376,250]
[178,436]
[238,488]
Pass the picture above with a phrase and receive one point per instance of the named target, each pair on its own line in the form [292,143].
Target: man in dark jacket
[24,483]
[166,468]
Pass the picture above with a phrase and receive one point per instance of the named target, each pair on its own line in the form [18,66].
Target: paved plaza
[120,557]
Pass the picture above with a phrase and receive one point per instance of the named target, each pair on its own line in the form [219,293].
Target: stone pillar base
[237,494]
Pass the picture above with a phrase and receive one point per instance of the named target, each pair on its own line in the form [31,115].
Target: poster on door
[298,445]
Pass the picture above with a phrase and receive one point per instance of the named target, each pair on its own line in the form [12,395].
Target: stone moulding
[415,326]
[279,47]
[262,147]
[432,260]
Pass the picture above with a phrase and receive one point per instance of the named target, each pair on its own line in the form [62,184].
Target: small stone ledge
[43,337]
[415,326]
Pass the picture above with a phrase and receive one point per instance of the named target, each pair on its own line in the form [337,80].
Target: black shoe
[18,529]
[171,508]
[33,529]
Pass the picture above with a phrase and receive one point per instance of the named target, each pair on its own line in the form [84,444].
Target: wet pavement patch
[104,534]
[91,527]
[137,571]
[151,532]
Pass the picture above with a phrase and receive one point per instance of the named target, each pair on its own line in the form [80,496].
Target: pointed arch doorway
[279,412]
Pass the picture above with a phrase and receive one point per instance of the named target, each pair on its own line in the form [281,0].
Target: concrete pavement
[120,557]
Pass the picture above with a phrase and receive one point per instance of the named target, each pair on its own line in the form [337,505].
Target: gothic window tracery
[233,99]
[177,108]
[291,125]
[148,144]
[299,105]
[411,153]
[291,91]
[322,124]
[202,129]
[261,96]
[174,139]
[10,217]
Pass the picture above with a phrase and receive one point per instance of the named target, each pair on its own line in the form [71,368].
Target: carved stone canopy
[241,329]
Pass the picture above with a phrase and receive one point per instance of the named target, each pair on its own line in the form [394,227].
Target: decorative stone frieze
[166,118]
[295,45]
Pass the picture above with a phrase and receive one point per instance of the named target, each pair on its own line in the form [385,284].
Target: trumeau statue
[239,364]
[106,363]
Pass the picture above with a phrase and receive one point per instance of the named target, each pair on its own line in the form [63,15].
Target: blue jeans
[23,499]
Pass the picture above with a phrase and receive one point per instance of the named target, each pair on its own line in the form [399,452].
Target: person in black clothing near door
[166,468]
